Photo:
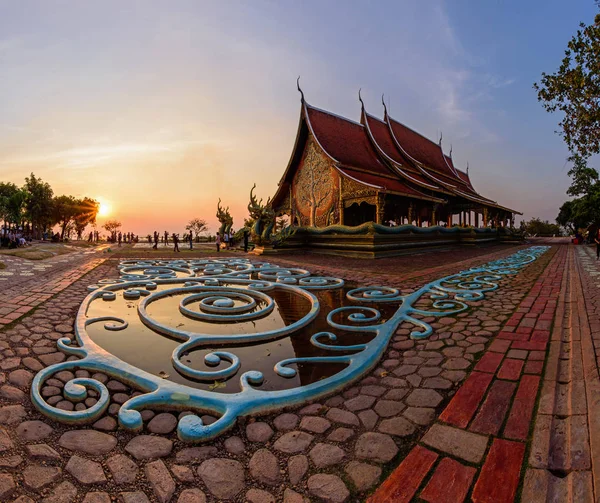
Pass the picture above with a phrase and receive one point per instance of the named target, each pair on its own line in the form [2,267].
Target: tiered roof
[384,154]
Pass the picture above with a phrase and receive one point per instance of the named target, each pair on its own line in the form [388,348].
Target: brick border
[496,402]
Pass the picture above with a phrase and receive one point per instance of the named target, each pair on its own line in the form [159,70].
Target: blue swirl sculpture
[202,280]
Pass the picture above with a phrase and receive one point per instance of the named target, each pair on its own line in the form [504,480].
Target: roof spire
[360,99]
[300,90]
[451,151]
[384,107]
[467,167]
[441,135]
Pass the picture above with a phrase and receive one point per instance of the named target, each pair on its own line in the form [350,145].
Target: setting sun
[104,209]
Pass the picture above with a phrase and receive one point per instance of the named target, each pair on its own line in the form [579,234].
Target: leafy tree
[111,226]
[584,210]
[197,226]
[87,210]
[15,207]
[537,227]
[6,192]
[575,90]
[38,204]
[64,211]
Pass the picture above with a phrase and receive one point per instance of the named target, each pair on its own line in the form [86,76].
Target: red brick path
[477,446]
[14,307]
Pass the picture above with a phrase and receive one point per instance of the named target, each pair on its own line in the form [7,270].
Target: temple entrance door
[357,214]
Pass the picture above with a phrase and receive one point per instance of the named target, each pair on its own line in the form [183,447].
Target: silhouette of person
[155,241]
[175,242]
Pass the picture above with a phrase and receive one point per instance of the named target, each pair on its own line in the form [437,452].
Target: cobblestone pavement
[336,450]
[25,284]
[389,271]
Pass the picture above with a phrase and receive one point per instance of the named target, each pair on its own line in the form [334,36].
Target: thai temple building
[343,172]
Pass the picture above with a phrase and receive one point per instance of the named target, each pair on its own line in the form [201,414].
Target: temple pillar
[477,219]
[380,208]
[460,218]
[411,210]
[485,217]
[449,223]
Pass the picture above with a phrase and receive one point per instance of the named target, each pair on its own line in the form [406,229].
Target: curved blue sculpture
[234,290]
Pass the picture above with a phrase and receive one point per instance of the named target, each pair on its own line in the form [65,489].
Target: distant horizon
[159,111]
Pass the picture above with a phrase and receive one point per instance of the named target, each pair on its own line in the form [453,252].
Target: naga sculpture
[264,219]
[225,218]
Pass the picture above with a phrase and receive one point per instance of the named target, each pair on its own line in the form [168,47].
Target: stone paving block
[535,486]
[579,455]
[499,346]
[450,482]
[517,426]
[534,367]
[465,402]
[499,477]
[458,443]
[511,369]
[491,415]
[402,484]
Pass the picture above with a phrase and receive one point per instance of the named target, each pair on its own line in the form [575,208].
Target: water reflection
[150,351]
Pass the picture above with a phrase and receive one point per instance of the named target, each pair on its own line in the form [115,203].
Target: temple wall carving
[315,189]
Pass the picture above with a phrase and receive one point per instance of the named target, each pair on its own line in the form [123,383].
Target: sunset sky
[159,108]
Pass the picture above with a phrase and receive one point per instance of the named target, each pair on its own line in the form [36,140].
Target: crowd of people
[119,238]
[11,238]
[224,241]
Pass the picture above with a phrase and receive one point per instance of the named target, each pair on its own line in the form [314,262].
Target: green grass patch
[38,251]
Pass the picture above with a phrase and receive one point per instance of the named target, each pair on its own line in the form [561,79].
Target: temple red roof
[383,140]
[344,141]
[420,149]
[385,184]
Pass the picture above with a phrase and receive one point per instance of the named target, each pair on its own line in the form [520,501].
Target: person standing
[175,238]
[166,238]
[226,239]
[218,242]
[155,247]
[191,239]
[597,240]
[246,240]
[120,238]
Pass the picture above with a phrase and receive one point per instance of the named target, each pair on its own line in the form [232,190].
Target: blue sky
[154,105]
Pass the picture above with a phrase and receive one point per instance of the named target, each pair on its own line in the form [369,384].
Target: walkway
[25,284]
[488,445]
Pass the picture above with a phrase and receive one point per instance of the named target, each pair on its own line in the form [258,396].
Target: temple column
[477,219]
[380,208]
[411,210]
[485,217]
[460,218]
[469,218]
[341,203]
[449,223]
